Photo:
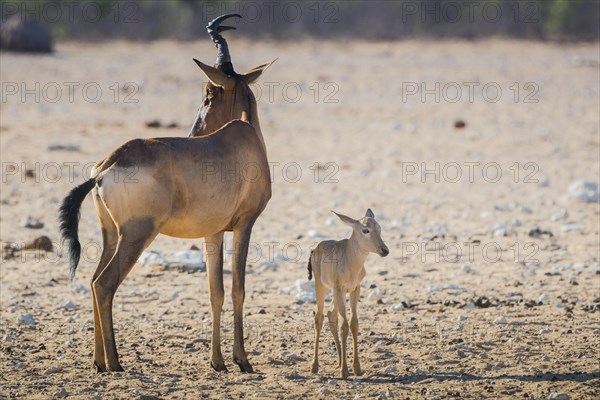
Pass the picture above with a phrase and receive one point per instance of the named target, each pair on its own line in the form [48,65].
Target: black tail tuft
[309,267]
[69,221]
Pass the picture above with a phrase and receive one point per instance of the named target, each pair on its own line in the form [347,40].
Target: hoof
[315,368]
[358,371]
[344,373]
[219,367]
[116,368]
[244,365]
[98,368]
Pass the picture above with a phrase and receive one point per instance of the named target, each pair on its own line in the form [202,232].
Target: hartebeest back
[171,194]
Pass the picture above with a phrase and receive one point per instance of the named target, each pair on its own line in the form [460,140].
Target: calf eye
[365,231]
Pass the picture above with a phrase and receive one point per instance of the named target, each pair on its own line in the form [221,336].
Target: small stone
[69,305]
[569,228]
[584,190]
[459,124]
[324,391]
[26,319]
[262,311]
[61,393]
[53,369]
[544,298]
[461,318]
[7,338]
[545,331]
[312,234]
[559,396]
[389,370]
[32,223]
[467,268]
[500,320]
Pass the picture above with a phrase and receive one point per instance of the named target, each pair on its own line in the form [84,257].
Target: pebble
[569,228]
[559,396]
[61,393]
[584,190]
[461,318]
[389,370]
[32,223]
[25,319]
[268,266]
[500,320]
[500,230]
[543,298]
[375,295]
[313,234]
[69,305]
[324,391]
[7,338]
[557,216]
[545,331]
[53,369]
[467,268]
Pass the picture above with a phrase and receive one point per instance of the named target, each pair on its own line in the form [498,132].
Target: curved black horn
[214,29]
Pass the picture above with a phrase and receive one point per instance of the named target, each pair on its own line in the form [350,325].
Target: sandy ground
[473,301]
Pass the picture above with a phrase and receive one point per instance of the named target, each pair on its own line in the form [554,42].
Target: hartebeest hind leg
[214,258]
[241,240]
[354,296]
[110,239]
[320,291]
[134,237]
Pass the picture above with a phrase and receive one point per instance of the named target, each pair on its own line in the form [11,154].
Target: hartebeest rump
[174,193]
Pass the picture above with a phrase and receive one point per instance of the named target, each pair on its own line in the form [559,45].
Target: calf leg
[340,301]
[354,296]
[332,317]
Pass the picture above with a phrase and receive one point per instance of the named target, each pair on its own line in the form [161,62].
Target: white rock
[569,228]
[467,268]
[562,214]
[545,331]
[72,318]
[461,318]
[559,396]
[324,391]
[80,289]
[25,319]
[69,305]
[302,290]
[389,370]
[53,369]
[268,266]
[188,260]
[584,190]
[543,298]
[398,307]
[500,230]
[500,320]
[61,393]
[375,295]
[313,234]
[7,338]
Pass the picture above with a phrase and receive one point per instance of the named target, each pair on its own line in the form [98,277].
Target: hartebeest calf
[174,194]
[340,266]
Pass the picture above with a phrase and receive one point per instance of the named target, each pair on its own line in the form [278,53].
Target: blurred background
[373,20]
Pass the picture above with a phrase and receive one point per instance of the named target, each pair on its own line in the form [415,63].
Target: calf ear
[345,219]
[369,214]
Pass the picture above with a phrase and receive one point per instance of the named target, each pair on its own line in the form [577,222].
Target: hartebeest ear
[345,219]
[369,214]
[252,75]
[216,77]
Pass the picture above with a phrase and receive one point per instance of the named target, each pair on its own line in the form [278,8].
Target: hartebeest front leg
[241,240]
[340,302]
[354,296]
[214,258]
[320,291]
